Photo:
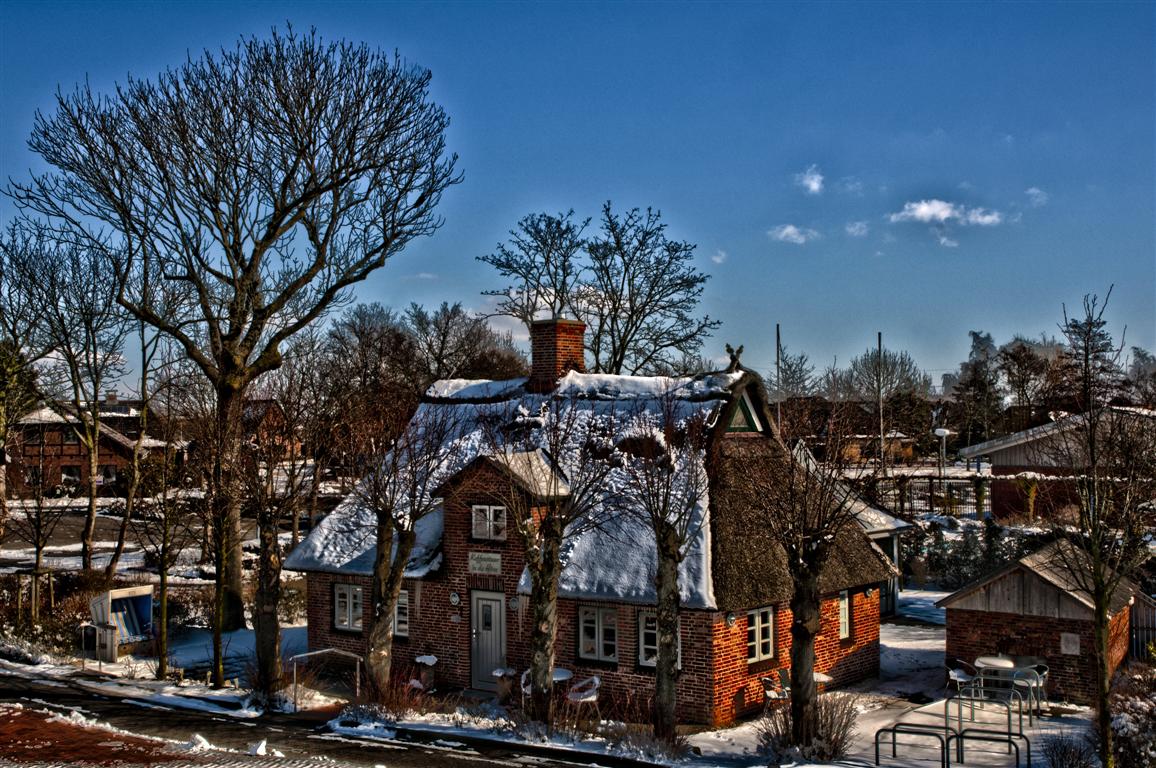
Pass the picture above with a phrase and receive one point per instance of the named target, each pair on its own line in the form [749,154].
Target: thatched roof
[750,567]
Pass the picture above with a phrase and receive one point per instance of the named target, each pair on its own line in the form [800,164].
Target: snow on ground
[919,604]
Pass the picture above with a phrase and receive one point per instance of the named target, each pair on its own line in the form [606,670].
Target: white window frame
[844,615]
[347,607]
[761,634]
[645,617]
[600,620]
[488,522]
[401,615]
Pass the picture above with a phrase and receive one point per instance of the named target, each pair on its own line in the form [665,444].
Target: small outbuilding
[1036,607]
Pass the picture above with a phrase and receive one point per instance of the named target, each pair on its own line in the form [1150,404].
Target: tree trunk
[313,491]
[387,580]
[89,531]
[1103,677]
[805,610]
[162,628]
[666,666]
[544,570]
[227,504]
[217,672]
[267,596]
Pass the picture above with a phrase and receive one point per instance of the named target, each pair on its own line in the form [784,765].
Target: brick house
[44,449]
[1034,607]
[465,596]
[1031,469]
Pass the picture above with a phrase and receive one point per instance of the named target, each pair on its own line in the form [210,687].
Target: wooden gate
[1143,626]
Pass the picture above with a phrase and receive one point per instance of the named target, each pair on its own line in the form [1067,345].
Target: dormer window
[489,522]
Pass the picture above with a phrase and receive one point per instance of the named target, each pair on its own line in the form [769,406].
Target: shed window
[347,607]
[489,522]
[598,633]
[844,615]
[760,634]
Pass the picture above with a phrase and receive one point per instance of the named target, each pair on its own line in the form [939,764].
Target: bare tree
[641,294]
[666,485]
[558,461]
[43,503]
[399,490]
[542,260]
[795,377]
[452,344]
[807,506]
[1111,454]
[165,527]
[85,329]
[264,181]
[21,315]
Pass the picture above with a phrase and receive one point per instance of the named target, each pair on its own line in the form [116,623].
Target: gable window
[70,436]
[347,607]
[401,615]
[760,634]
[489,522]
[70,474]
[648,640]
[598,634]
[844,615]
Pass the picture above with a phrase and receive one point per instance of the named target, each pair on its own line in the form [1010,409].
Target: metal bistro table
[1007,674]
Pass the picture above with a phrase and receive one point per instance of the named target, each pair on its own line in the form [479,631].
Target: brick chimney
[556,347]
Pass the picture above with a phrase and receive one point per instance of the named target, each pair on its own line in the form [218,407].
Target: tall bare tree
[1111,454]
[558,460]
[807,506]
[542,261]
[640,295]
[21,315]
[264,181]
[85,329]
[666,485]
[399,490]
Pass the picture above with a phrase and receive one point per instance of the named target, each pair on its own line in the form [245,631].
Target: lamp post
[942,433]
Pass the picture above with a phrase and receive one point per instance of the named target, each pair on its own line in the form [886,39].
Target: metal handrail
[322,652]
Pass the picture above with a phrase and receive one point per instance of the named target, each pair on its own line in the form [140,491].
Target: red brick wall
[1008,496]
[715,682]
[738,689]
[556,347]
[1072,678]
[58,452]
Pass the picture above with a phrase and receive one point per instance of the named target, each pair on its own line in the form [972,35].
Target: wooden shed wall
[1024,593]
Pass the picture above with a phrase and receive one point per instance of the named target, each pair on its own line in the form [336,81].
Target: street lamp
[942,433]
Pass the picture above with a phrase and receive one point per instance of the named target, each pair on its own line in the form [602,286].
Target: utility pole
[778,381]
[879,394]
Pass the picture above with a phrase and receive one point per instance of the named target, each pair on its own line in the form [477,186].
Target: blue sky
[920,170]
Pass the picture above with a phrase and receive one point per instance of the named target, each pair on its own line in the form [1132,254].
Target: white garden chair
[585,693]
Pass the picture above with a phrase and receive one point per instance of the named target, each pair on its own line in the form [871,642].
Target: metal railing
[322,652]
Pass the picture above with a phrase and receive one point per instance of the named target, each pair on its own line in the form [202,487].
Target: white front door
[488,650]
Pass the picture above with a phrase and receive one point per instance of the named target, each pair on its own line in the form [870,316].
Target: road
[302,743]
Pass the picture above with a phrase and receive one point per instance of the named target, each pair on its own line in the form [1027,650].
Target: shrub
[1133,707]
[1065,750]
[834,729]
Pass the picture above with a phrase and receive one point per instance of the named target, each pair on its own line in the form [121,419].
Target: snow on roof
[604,386]
[1063,423]
[614,563]
[534,472]
[474,389]
[871,519]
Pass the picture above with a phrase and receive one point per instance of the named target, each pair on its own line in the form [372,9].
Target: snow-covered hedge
[1133,706]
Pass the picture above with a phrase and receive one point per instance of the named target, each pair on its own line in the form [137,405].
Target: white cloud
[811,180]
[426,276]
[927,211]
[1037,198]
[941,212]
[946,241]
[789,233]
[856,228]
[719,257]
[982,217]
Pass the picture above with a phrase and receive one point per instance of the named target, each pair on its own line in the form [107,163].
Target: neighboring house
[884,531]
[465,597]
[1034,607]
[47,452]
[1029,468]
